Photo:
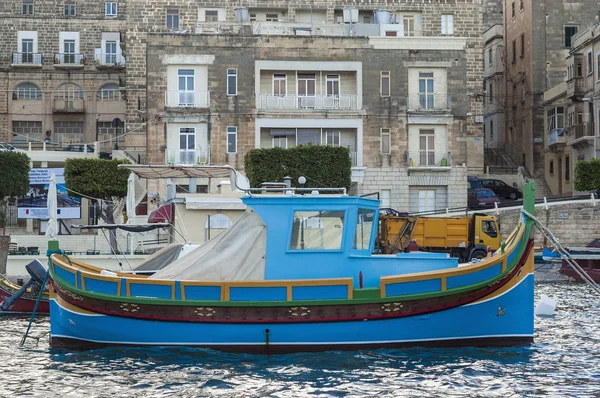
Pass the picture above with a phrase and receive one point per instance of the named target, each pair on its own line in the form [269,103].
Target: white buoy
[545,307]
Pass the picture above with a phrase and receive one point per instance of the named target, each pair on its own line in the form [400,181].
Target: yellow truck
[465,237]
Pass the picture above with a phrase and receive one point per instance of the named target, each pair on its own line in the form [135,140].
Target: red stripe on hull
[24,305]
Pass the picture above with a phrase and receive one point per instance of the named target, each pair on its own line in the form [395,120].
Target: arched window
[68,91]
[109,92]
[27,92]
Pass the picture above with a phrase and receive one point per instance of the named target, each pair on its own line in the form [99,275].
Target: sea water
[564,361]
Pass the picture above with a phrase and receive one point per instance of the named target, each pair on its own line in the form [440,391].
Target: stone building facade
[112,81]
[538,37]
[572,114]
[61,71]
[413,146]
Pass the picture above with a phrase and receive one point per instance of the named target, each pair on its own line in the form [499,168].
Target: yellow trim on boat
[465,269]
[515,280]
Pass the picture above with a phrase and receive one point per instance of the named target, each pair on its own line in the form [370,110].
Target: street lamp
[301,181]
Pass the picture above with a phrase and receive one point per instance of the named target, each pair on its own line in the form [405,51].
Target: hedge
[587,175]
[323,166]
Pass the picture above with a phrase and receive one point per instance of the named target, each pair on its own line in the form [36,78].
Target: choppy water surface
[563,361]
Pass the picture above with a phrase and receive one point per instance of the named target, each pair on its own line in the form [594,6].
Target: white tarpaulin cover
[237,254]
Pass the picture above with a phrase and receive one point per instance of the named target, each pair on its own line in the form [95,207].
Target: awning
[199,203]
[164,214]
[189,171]
[126,227]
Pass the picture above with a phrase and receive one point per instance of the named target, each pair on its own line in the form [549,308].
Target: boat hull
[25,304]
[504,318]
[590,267]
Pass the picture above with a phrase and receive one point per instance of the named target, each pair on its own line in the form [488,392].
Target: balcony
[575,87]
[555,137]
[420,160]
[108,61]
[69,105]
[187,99]
[318,102]
[27,60]
[69,60]
[187,156]
[584,136]
[428,103]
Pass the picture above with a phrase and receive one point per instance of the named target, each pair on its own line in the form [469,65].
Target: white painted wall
[440,80]
[200,76]
[201,135]
[221,14]
[440,141]
[68,36]
[27,35]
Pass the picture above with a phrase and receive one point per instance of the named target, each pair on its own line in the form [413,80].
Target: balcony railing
[109,60]
[556,136]
[428,159]
[428,102]
[575,87]
[69,59]
[27,59]
[187,99]
[187,156]
[69,105]
[348,102]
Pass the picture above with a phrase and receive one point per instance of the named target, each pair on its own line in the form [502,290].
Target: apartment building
[493,84]
[74,67]
[571,126]
[538,37]
[398,88]
[62,73]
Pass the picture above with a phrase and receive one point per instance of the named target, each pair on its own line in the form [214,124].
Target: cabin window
[364,227]
[489,228]
[317,230]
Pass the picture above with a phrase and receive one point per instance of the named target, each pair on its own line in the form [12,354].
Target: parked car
[482,198]
[500,188]
[82,147]
[5,146]
[77,148]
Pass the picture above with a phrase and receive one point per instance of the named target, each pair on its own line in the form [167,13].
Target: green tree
[587,175]
[15,179]
[101,181]
[323,166]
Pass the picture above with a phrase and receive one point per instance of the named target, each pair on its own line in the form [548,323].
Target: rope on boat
[563,252]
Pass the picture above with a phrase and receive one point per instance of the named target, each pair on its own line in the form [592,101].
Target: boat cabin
[326,236]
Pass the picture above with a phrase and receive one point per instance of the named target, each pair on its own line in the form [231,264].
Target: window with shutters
[231,139]
[384,83]
[280,85]
[426,148]
[232,81]
[447,24]
[385,140]
[172,19]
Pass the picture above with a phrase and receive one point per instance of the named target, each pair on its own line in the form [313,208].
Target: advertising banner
[34,204]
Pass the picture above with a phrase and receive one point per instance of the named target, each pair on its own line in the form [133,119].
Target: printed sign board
[34,204]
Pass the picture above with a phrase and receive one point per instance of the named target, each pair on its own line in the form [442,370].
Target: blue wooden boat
[297,273]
